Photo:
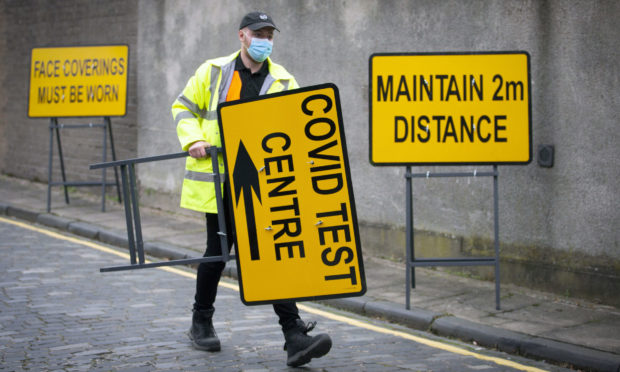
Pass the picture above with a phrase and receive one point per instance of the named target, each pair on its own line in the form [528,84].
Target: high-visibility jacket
[195,114]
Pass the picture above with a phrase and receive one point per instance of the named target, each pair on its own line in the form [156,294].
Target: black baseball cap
[257,20]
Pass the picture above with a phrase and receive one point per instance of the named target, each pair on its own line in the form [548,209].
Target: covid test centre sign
[291,196]
[450,108]
[78,81]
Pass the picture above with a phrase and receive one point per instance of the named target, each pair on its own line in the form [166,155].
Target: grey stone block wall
[24,142]
[561,220]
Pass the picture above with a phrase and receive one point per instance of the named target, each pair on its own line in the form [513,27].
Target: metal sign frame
[132,213]
[413,262]
[55,127]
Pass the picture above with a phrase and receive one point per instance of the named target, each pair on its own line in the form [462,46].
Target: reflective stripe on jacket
[195,115]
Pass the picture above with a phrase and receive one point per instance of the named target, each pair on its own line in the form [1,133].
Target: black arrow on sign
[245,177]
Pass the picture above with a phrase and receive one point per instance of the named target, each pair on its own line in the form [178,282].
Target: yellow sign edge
[461,53]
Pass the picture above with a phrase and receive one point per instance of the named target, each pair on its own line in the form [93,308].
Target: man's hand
[197,149]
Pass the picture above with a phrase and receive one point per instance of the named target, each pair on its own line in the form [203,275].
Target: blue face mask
[260,49]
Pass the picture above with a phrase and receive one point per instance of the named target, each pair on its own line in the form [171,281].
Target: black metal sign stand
[107,131]
[132,212]
[412,262]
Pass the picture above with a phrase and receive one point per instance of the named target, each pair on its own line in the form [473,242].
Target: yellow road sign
[455,108]
[292,200]
[78,81]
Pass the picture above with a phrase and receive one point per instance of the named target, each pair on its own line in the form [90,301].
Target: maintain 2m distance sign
[453,108]
[292,200]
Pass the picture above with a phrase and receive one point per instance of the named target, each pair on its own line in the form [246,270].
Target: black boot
[301,348]
[201,333]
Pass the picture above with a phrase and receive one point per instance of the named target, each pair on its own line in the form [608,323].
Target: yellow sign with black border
[291,197]
[78,81]
[450,108]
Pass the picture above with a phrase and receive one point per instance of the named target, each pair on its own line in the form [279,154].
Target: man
[249,72]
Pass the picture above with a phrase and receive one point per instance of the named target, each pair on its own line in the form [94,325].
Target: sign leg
[221,218]
[62,161]
[130,235]
[118,188]
[496,232]
[136,213]
[410,273]
[103,170]
[49,168]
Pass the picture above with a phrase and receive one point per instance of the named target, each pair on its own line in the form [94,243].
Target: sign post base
[55,127]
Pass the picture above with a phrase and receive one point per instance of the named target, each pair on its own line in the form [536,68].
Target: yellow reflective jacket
[195,114]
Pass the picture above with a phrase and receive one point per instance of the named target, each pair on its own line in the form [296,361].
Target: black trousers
[209,273]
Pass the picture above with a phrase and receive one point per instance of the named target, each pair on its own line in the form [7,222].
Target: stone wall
[24,142]
[562,219]
[558,226]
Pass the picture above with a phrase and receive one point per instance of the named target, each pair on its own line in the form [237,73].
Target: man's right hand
[197,149]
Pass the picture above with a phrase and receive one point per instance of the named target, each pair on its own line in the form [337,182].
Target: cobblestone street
[58,312]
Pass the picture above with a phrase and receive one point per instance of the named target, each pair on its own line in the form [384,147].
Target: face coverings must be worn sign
[291,197]
[78,81]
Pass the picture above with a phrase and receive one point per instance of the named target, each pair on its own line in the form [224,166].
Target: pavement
[565,331]
[59,313]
